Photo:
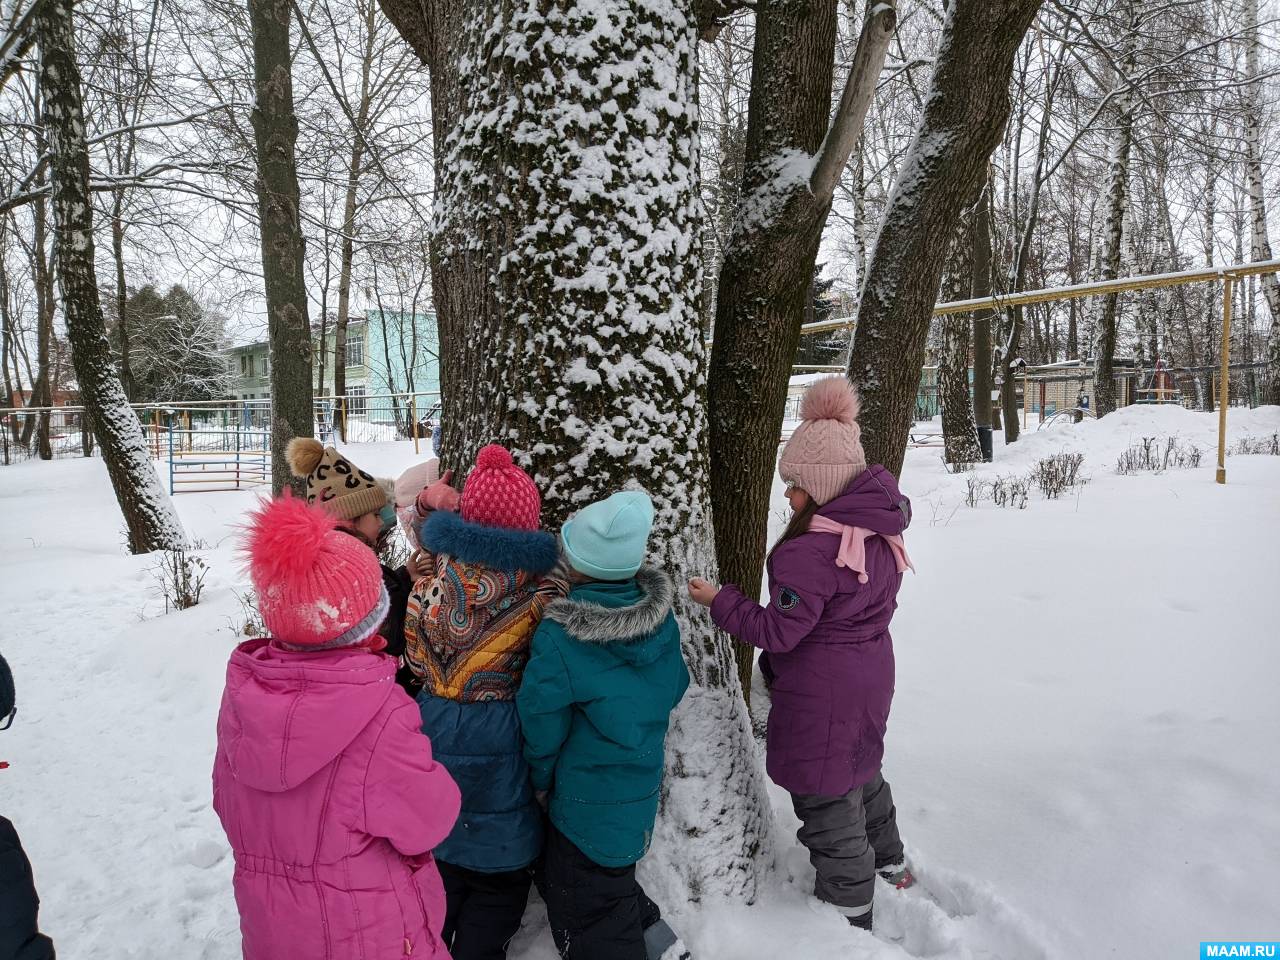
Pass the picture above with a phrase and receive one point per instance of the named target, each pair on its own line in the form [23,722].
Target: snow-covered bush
[1057,474]
[1158,454]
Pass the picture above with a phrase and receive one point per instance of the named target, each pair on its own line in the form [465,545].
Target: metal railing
[219,437]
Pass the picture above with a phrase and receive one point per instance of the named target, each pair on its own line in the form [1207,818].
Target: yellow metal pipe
[1075,291]
[1224,378]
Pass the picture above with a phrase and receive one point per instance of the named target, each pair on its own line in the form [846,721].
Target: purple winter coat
[827,644]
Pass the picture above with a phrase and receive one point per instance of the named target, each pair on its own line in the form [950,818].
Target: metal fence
[221,442]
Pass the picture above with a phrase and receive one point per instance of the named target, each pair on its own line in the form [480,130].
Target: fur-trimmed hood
[499,548]
[621,615]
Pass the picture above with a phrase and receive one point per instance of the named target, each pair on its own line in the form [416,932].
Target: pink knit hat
[410,483]
[318,588]
[499,494]
[825,452]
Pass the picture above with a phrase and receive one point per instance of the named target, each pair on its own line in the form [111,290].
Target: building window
[355,349]
[359,407]
[266,366]
[244,364]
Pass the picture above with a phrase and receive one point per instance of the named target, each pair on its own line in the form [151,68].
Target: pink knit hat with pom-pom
[825,452]
[499,494]
[318,588]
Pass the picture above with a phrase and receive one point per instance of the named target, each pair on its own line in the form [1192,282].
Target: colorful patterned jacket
[468,633]
[470,621]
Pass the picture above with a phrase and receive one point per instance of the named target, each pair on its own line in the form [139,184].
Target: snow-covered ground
[1083,746]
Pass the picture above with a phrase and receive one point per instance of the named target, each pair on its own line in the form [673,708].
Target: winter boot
[661,943]
[862,921]
[898,875]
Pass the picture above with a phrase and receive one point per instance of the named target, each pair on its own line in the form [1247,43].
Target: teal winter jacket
[605,673]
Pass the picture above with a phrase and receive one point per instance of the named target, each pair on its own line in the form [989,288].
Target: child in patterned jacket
[490,573]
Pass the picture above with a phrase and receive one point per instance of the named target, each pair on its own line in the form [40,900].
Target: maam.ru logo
[1239,948]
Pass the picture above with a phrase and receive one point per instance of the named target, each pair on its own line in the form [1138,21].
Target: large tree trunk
[965,111]
[574,335]
[767,276]
[147,511]
[42,389]
[1260,244]
[275,130]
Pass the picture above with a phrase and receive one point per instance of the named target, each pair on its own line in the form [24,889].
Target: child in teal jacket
[604,675]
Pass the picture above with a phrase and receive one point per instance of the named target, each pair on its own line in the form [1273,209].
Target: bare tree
[794,158]
[965,110]
[147,512]
[275,128]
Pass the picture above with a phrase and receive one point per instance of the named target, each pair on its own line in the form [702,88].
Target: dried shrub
[1057,474]
[1267,446]
[180,578]
[1158,454]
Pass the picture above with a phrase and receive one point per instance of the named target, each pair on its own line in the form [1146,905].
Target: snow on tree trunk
[1260,244]
[766,279]
[1117,202]
[568,216]
[965,111]
[275,131]
[148,514]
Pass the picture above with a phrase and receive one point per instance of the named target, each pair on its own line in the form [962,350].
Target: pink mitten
[439,496]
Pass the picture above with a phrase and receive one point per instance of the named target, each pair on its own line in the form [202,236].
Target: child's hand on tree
[702,592]
[439,496]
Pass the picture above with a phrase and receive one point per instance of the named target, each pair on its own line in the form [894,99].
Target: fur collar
[594,623]
[499,548]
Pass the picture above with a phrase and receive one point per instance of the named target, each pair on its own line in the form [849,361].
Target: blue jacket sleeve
[545,705]
[799,590]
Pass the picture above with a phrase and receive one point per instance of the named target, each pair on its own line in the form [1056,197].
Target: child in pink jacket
[323,780]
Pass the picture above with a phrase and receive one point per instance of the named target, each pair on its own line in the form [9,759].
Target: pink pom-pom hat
[318,588]
[825,453]
[499,494]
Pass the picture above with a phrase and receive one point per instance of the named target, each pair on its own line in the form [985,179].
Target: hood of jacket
[623,617]
[285,715]
[873,501]
[499,548]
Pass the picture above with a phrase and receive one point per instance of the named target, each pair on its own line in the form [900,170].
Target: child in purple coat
[828,657]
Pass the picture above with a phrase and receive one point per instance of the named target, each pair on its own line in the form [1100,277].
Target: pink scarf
[852,554]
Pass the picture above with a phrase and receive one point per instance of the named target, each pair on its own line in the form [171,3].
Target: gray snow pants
[849,838]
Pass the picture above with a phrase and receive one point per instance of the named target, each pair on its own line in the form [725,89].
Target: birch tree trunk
[275,131]
[965,111]
[1117,201]
[1260,244]
[574,338]
[960,435]
[767,276]
[148,514]
[980,286]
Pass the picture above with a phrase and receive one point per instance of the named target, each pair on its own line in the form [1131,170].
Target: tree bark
[1104,383]
[767,275]
[965,111]
[1260,244]
[122,294]
[275,130]
[572,334]
[147,511]
[959,433]
[983,354]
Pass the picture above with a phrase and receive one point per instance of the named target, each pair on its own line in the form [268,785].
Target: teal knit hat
[606,540]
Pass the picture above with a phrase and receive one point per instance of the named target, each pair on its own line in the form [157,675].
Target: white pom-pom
[831,398]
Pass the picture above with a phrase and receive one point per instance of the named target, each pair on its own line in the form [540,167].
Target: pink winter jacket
[332,803]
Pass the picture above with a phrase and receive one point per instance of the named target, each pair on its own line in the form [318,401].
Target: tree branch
[859,88]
